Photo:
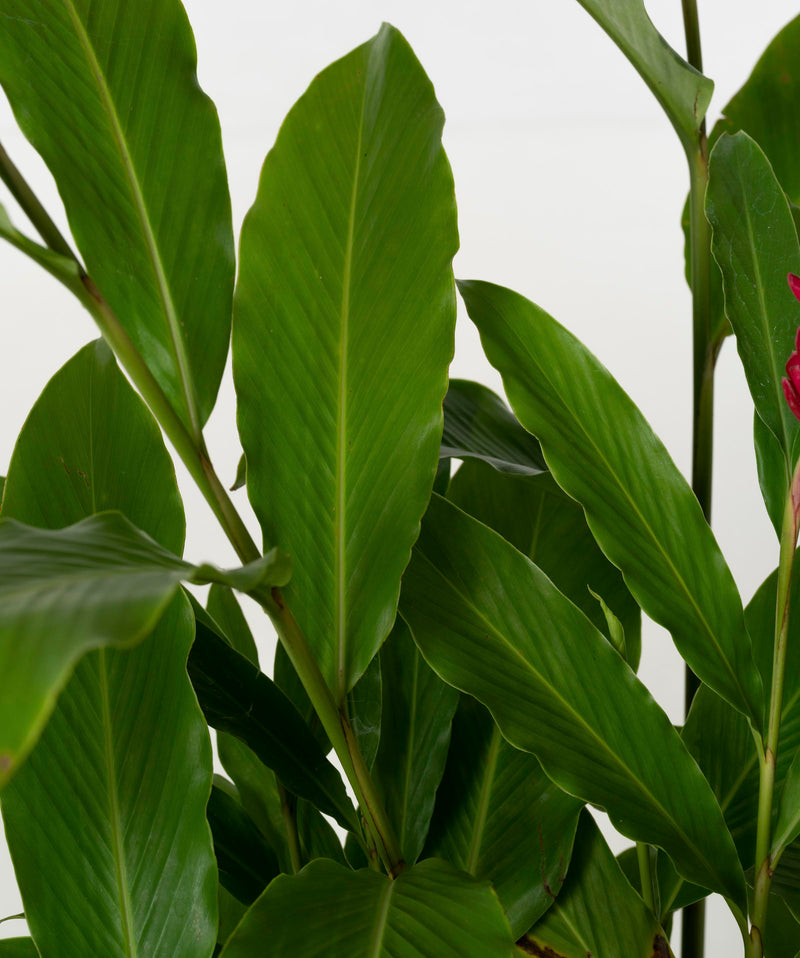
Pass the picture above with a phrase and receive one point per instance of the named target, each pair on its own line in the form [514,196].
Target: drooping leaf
[429,911]
[415,733]
[683,93]
[106,819]
[603,453]
[99,582]
[479,425]
[247,864]
[349,247]
[755,245]
[238,699]
[597,912]
[492,624]
[498,817]
[147,202]
[537,517]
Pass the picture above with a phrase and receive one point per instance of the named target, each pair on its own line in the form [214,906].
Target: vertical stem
[763,860]
[693,929]
[646,876]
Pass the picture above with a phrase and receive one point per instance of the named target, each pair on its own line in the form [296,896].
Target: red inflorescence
[791,383]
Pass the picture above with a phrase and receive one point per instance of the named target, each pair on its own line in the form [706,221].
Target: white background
[570,184]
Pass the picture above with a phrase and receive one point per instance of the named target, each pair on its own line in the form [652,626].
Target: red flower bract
[791,385]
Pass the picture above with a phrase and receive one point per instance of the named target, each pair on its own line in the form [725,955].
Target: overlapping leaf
[603,453]
[498,817]
[343,332]
[106,819]
[491,623]
[430,911]
[148,202]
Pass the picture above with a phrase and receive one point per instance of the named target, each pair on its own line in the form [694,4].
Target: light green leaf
[106,819]
[492,624]
[787,827]
[479,425]
[755,245]
[537,517]
[415,733]
[684,94]
[640,509]
[107,92]
[348,247]
[100,582]
[429,911]
[597,912]
[500,818]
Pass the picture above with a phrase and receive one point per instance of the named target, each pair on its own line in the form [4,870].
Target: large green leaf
[597,912]
[492,624]
[107,92]
[106,819]
[787,827]
[415,733]
[755,245]
[18,948]
[343,332]
[545,524]
[500,818]
[430,911]
[640,509]
[241,701]
[683,93]
[479,425]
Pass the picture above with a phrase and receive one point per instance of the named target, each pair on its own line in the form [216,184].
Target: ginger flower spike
[791,382]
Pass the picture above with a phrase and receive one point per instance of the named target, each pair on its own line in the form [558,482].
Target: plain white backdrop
[570,184]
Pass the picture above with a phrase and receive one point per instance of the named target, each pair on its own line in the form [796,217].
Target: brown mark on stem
[529,946]
[5,762]
[660,947]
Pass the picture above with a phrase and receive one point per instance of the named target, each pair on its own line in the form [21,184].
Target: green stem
[646,876]
[704,360]
[29,202]
[289,814]
[763,862]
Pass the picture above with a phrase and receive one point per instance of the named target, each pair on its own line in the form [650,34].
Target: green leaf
[773,475]
[492,624]
[755,245]
[640,509]
[224,608]
[62,267]
[246,862]
[429,911]
[537,517]
[479,425]
[782,937]
[364,707]
[597,912]
[106,819]
[18,948]
[238,699]
[317,837]
[684,94]
[674,892]
[787,828]
[107,93]
[415,734]
[349,247]
[498,817]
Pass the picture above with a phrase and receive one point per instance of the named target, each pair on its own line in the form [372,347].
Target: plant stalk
[646,876]
[704,360]
[764,860]
[289,815]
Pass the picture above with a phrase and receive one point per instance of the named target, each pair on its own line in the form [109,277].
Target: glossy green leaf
[479,425]
[348,247]
[787,827]
[148,203]
[674,892]
[430,911]
[18,948]
[782,936]
[498,817]
[492,624]
[238,699]
[772,472]
[597,912]
[755,245]
[602,452]
[106,819]
[415,733]
[684,94]
[364,708]
[536,516]
[247,864]
[786,879]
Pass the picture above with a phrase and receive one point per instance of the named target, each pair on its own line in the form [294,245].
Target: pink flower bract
[791,385]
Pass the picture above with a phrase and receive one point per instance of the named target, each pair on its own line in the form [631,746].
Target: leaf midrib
[164,292]
[381,921]
[640,786]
